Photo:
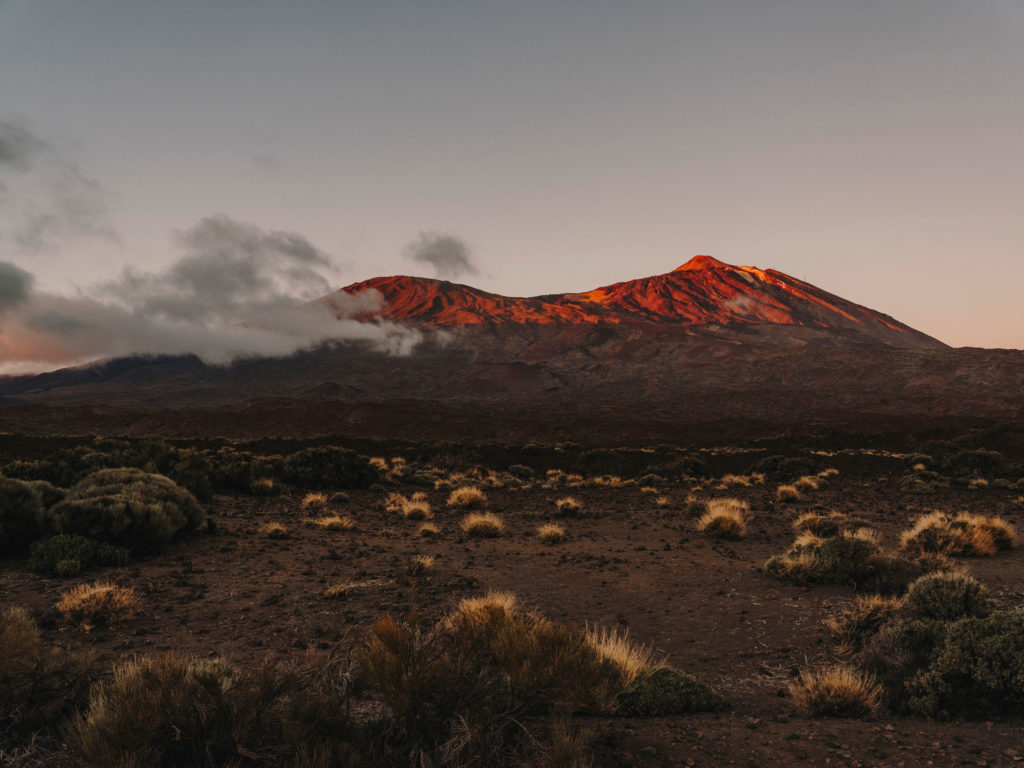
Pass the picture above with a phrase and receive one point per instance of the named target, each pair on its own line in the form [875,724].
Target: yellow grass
[725,518]
[806,483]
[416,510]
[964,535]
[551,533]
[394,502]
[568,505]
[314,502]
[787,494]
[836,692]
[482,524]
[428,530]
[661,502]
[274,530]
[467,497]
[631,658]
[380,463]
[333,523]
[419,563]
[101,602]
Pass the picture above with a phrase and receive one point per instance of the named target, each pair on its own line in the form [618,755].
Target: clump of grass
[695,505]
[806,484]
[419,563]
[101,603]
[844,559]
[264,486]
[416,509]
[836,692]
[274,530]
[632,659]
[482,524]
[725,519]
[568,505]
[862,620]
[394,502]
[551,533]
[428,531]
[337,590]
[788,494]
[825,474]
[962,536]
[661,502]
[388,532]
[379,463]
[648,489]
[314,502]
[333,523]
[467,497]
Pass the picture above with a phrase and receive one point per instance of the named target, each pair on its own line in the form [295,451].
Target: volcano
[703,292]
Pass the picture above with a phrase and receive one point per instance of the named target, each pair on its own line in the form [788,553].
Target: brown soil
[704,605]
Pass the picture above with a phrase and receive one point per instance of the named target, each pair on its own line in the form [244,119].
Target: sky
[153,152]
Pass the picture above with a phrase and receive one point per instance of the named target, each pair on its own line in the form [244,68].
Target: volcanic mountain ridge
[701,292]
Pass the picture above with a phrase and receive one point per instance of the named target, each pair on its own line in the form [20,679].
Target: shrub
[39,685]
[725,519]
[484,524]
[551,533]
[896,654]
[787,494]
[843,560]
[695,505]
[824,526]
[314,502]
[836,692]
[467,497]
[273,530]
[177,711]
[782,469]
[862,620]
[21,516]
[48,493]
[428,530]
[69,555]
[947,596]
[520,471]
[806,483]
[329,467]
[416,509]
[129,508]
[568,506]
[99,604]
[265,486]
[419,563]
[665,691]
[961,536]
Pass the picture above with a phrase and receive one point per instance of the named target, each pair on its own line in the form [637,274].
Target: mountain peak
[700,262]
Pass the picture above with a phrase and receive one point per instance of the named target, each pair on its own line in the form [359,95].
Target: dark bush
[520,471]
[986,465]
[896,654]
[39,685]
[129,508]
[49,494]
[21,516]
[667,691]
[329,468]
[66,555]
[947,596]
[851,560]
[782,469]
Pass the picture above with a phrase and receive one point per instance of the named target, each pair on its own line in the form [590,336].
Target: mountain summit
[703,292]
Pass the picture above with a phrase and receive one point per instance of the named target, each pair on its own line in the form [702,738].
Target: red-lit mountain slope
[702,292]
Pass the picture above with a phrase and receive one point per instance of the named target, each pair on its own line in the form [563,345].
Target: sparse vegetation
[725,519]
[836,692]
[482,524]
[101,603]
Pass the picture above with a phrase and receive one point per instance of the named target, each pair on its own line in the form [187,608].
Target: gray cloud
[238,291]
[15,285]
[448,255]
[48,199]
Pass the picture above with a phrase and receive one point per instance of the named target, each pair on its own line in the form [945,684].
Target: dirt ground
[704,605]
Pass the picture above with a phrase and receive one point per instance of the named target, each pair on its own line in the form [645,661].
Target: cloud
[47,198]
[15,285]
[237,291]
[448,255]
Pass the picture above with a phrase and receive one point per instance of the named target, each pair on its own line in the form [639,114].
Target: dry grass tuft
[862,620]
[380,463]
[806,483]
[482,524]
[695,505]
[314,502]
[965,535]
[416,509]
[467,497]
[394,502]
[428,531]
[836,692]
[661,502]
[569,505]
[274,531]
[551,533]
[725,519]
[631,658]
[101,603]
[788,494]
[419,563]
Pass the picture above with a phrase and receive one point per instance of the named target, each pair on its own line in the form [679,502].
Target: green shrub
[129,508]
[21,516]
[896,654]
[328,468]
[666,691]
[49,494]
[68,555]
[847,559]
[39,685]
[947,596]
